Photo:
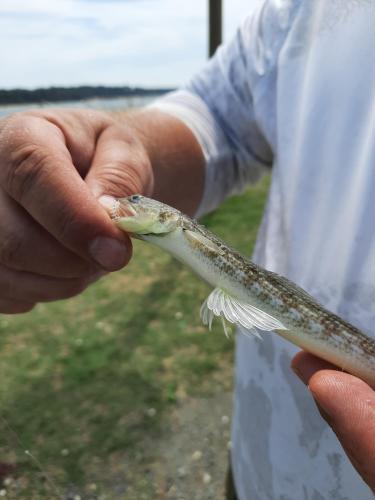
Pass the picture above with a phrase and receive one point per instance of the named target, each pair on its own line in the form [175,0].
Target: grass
[81,379]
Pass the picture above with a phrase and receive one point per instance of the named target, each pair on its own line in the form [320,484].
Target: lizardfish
[245,294]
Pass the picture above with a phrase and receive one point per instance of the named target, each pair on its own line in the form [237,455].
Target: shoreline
[40,96]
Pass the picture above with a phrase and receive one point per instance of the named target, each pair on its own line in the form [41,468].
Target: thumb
[348,405]
[121,165]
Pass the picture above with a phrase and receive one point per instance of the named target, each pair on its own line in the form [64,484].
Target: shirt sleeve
[218,106]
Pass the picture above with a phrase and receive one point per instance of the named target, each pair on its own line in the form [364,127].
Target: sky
[148,43]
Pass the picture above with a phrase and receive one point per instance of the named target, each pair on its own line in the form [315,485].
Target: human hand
[348,405]
[55,238]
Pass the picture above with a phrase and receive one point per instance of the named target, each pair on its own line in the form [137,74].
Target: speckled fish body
[246,294]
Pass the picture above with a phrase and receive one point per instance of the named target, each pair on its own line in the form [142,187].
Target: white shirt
[295,89]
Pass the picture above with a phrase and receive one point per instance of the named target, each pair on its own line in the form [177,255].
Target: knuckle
[125,176]
[14,130]
[23,307]
[11,124]
[142,172]
[142,161]
[25,173]
[10,248]
[20,122]
[15,307]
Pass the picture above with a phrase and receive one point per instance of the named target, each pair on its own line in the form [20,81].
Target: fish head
[139,215]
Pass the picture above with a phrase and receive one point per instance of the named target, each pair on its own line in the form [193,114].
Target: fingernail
[109,253]
[108,202]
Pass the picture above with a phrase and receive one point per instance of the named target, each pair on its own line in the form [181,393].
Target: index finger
[348,405]
[36,170]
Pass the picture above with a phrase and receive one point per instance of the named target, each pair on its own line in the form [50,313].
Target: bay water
[108,104]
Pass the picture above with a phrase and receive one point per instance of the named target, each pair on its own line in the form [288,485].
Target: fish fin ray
[225,326]
[250,333]
[248,317]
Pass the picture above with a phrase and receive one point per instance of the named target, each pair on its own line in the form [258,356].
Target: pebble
[197,455]
[172,491]
[3,493]
[229,445]
[64,452]
[206,478]
[76,497]
[225,420]
[178,315]
[93,487]
[181,472]
[8,481]
[151,412]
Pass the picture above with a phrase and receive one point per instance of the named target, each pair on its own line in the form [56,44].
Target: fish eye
[134,198]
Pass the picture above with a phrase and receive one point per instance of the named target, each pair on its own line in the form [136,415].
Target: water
[107,104]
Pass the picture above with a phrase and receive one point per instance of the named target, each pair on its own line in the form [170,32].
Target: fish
[245,294]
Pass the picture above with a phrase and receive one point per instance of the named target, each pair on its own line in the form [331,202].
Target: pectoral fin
[198,240]
[221,304]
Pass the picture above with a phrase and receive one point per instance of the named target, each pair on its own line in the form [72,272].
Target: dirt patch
[189,458]
[195,450]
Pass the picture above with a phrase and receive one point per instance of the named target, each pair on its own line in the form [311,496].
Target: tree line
[56,94]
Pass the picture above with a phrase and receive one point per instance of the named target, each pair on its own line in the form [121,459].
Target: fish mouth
[139,221]
[121,209]
[128,219]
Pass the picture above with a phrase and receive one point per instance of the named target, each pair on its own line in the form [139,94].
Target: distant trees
[56,94]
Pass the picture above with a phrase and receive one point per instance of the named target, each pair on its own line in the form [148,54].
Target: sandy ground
[196,453]
[189,458]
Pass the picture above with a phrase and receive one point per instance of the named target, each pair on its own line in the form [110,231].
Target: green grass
[78,376]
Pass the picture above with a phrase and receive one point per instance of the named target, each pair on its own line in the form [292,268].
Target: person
[295,91]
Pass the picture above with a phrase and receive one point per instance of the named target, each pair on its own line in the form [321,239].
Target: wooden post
[215,25]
